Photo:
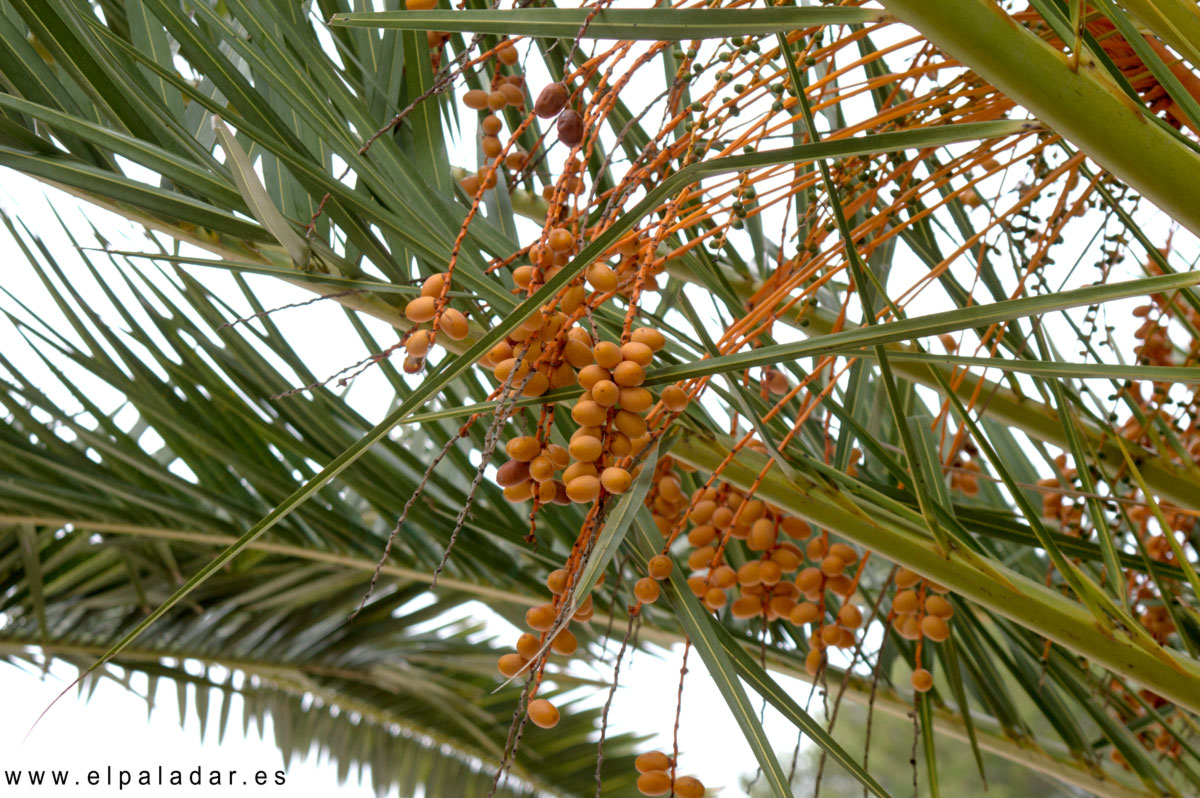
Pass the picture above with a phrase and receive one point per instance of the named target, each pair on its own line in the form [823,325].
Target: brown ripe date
[551,101]
[570,128]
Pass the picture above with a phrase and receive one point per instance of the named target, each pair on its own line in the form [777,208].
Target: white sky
[112,730]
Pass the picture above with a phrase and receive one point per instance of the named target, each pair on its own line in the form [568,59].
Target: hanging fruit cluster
[746,560]
[656,777]
[531,649]
[507,90]
[920,611]
[767,555]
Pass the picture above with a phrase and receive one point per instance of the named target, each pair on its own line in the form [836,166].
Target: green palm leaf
[180,478]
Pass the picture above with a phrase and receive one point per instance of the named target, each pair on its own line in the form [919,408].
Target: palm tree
[814,212]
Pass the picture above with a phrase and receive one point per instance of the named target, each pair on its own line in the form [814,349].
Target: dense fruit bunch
[594,345]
